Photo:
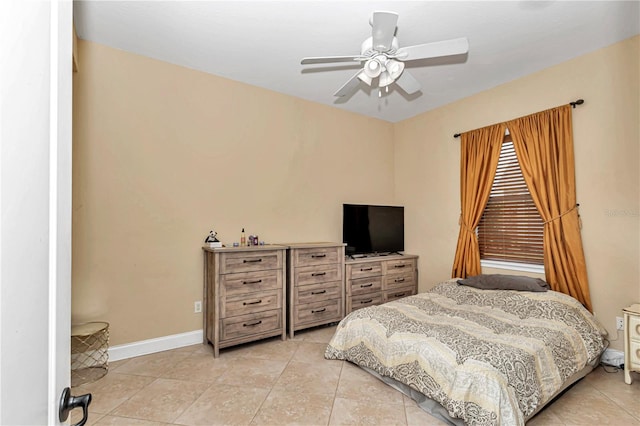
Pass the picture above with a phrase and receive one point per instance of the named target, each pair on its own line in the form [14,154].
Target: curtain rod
[573,104]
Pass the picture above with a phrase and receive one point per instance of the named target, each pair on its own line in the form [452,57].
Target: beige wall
[163,154]
[606,136]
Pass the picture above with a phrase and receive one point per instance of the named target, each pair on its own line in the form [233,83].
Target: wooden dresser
[244,289]
[631,341]
[315,284]
[379,279]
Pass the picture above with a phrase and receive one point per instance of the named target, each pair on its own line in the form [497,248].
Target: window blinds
[511,229]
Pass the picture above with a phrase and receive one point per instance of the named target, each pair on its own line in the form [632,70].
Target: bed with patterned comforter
[487,356]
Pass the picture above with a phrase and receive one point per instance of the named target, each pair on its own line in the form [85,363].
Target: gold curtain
[544,145]
[479,155]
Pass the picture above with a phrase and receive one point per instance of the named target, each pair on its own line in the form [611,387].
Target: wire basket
[89,352]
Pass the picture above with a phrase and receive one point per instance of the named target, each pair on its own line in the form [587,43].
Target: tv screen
[369,229]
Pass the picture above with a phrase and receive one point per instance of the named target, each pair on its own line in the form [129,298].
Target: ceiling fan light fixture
[365,78]
[385,79]
[394,68]
[373,68]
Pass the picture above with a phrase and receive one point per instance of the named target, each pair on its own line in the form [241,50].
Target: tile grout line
[191,405]
[335,393]
[276,381]
[155,379]
[620,407]
[191,354]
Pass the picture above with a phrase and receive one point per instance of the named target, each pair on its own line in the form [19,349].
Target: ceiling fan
[384,60]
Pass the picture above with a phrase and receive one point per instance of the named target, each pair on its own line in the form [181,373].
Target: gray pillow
[505,282]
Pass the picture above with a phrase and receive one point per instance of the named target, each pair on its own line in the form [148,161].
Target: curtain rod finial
[457,135]
[578,102]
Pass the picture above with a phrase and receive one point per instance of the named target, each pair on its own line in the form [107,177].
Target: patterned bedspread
[488,356]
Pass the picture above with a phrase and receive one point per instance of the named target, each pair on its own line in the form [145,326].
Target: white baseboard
[145,347]
[612,357]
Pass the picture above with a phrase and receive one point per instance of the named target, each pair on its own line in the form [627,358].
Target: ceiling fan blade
[384,28]
[349,87]
[328,59]
[456,46]
[408,83]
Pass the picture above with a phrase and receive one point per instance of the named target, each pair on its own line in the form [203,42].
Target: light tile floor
[275,382]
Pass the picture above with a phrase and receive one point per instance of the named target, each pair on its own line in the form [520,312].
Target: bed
[474,356]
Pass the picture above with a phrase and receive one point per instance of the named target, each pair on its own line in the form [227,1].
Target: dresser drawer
[365,300]
[249,261]
[366,285]
[389,295]
[369,269]
[253,302]
[399,266]
[399,280]
[244,290]
[634,327]
[318,292]
[317,256]
[319,311]
[249,282]
[317,274]
[251,324]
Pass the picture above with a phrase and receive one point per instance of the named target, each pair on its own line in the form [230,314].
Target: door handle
[68,402]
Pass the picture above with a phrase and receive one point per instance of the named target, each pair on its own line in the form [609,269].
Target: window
[510,230]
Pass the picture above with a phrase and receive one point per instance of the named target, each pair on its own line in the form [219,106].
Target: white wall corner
[145,347]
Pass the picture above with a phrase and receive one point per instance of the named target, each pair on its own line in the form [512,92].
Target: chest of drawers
[315,284]
[379,279]
[631,341]
[244,289]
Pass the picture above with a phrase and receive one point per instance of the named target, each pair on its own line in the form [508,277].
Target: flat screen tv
[369,229]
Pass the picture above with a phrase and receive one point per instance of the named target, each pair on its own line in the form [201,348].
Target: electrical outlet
[619,323]
[197,307]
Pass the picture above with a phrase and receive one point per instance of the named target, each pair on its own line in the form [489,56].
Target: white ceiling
[262,42]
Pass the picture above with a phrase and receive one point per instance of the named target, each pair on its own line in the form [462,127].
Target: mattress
[486,357]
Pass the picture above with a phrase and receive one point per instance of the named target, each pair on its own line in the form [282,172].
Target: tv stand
[374,279]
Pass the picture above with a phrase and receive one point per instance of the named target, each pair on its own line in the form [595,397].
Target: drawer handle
[252,282]
[252,261]
[252,303]
[399,280]
[251,324]
[319,292]
[399,266]
[638,329]
[318,274]
[366,269]
[318,311]
[366,285]
[362,302]
[318,255]
[398,294]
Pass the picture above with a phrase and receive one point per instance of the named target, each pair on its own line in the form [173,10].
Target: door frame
[35,201]
[60,191]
